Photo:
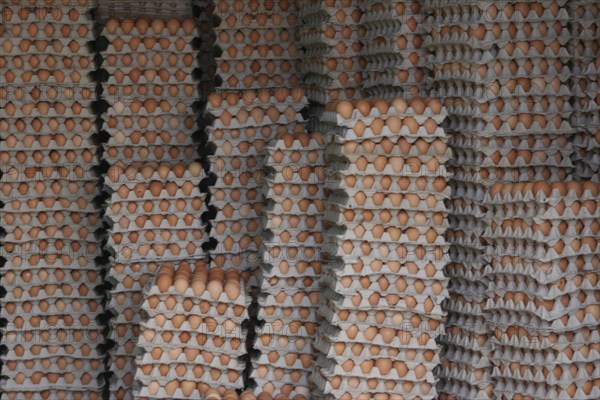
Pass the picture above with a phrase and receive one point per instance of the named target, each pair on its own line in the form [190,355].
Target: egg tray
[53,311]
[248,51]
[246,21]
[35,281]
[184,143]
[341,269]
[127,113]
[156,210]
[536,359]
[28,129]
[276,284]
[175,124]
[20,371]
[579,229]
[450,387]
[331,314]
[32,277]
[300,229]
[332,80]
[287,390]
[72,33]
[528,376]
[292,297]
[302,319]
[297,364]
[362,389]
[332,307]
[28,234]
[537,197]
[414,170]
[292,100]
[147,196]
[263,81]
[501,315]
[135,44]
[336,236]
[295,193]
[12,219]
[153,290]
[209,345]
[71,76]
[340,301]
[352,184]
[272,265]
[212,312]
[127,254]
[341,200]
[384,353]
[251,122]
[403,147]
[539,252]
[508,389]
[251,211]
[41,387]
[238,148]
[538,341]
[312,161]
[182,359]
[114,93]
[337,215]
[330,368]
[29,254]
[281,381]
[222,223]
[48,93]
[356,286]
[245,163]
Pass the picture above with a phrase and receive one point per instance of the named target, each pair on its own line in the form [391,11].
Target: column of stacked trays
[543,288]
[331,63]
[257,99]
[193,336]
[291,264]
[392,48]
[155,203]
[585,52]
[50,335]
[383,281]
[502,70]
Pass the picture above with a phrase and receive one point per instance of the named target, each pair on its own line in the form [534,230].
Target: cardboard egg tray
[366,297]
[289,310]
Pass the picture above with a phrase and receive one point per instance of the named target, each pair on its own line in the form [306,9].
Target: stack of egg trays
[193,336]
[289,277]
[543,289]
[257,69]
[330,38]
[503,127]
[50,334]
[392,48]
[585,52]
[381,290]
[245,122]
[150,123]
